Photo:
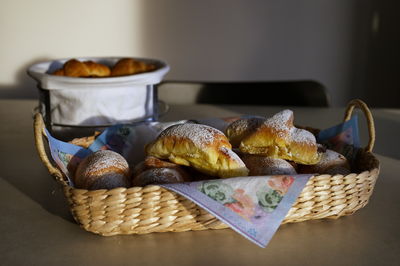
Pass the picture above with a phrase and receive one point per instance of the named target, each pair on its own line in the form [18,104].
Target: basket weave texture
[141,210]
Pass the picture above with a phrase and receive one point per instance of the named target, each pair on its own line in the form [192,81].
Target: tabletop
[37,229]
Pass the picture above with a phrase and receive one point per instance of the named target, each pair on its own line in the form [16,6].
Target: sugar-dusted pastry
[239,129]
[102,169]
[331,163]
[278,138]
[262,165]
[75,68]
[129,66]
[202,147]
[155,171]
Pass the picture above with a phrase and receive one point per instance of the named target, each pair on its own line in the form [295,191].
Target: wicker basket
[141,210]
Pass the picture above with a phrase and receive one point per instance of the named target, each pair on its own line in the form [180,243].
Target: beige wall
[45,29]
[201,40]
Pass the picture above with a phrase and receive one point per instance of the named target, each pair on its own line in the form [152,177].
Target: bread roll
[262,165]
[155,171]
[157,176]
[202,147]
[103,169]
[331,163]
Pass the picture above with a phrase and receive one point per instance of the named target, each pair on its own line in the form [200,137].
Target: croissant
[204,148]
[75,68]
[129,66]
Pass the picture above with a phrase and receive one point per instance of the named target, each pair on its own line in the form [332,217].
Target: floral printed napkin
[252,206]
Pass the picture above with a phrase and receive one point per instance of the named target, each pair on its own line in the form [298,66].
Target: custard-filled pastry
[278,138]
[202,147]
[239,129]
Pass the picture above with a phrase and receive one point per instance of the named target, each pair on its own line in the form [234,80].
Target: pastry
[59,72]
[103,169]
[157,176]
[239,129]
[277,137]
[156,171]
[202,147]
[262,165]
[129,66]
[75,68]
[331,163]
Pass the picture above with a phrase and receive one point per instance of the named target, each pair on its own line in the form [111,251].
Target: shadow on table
[47,193]
[22,169]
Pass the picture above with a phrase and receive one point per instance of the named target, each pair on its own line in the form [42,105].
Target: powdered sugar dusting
[329,156]
[304,136]
[104,159]
[200,135]
[281,121]
[242,125]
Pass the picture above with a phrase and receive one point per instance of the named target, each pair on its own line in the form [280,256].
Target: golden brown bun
[129,66]
[241,128]
[97,70]
[59,72]
[103,169]
[199,146]
[331,163]
[75,68]
[262,165]
[156,171]
[278,138]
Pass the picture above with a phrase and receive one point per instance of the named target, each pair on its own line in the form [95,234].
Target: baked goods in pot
[277,137]
[262,165]
[125,66]
[103,169]
[75,68]
[331,163]
[202,147]
[129,66]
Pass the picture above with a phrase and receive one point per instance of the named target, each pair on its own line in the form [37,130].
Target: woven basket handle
[370,120]
[39,133]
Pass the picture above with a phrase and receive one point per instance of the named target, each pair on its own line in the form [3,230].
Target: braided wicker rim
[141,210]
